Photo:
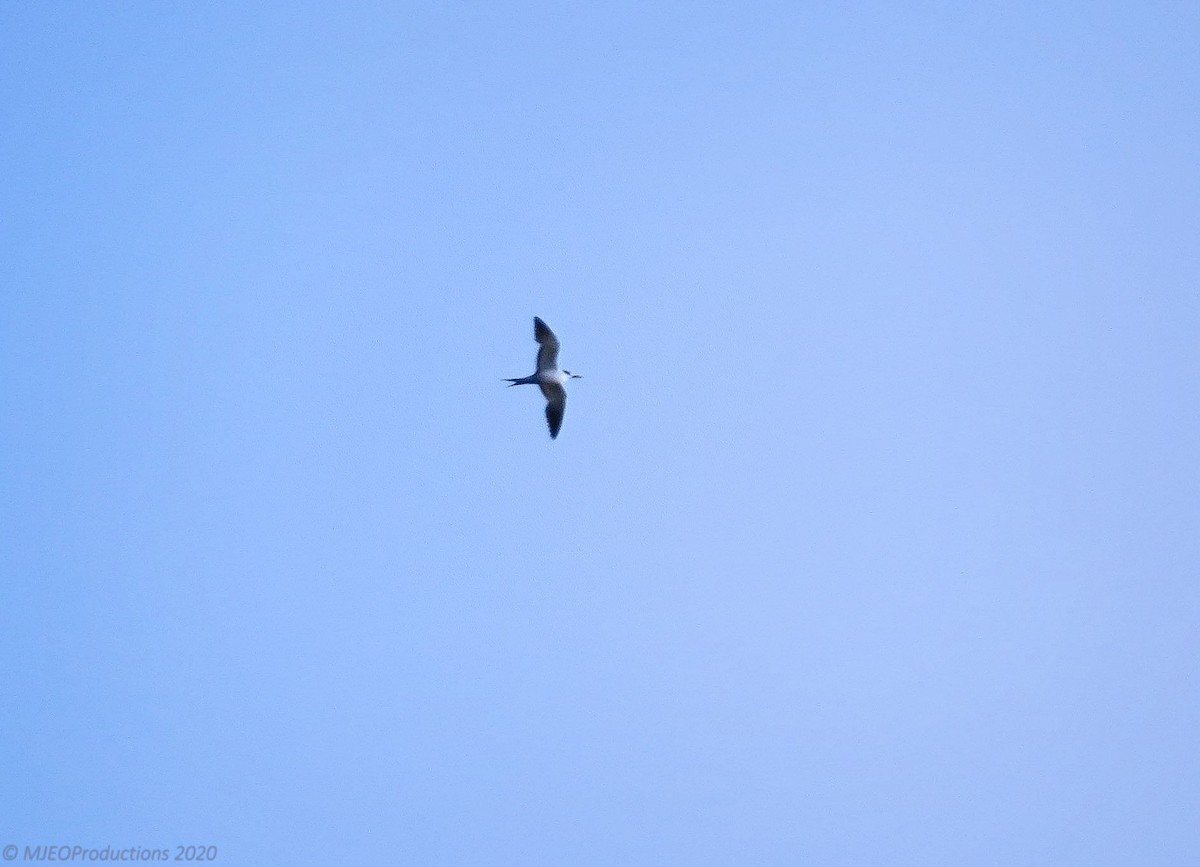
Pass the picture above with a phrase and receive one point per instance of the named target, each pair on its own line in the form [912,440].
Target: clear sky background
[871,536]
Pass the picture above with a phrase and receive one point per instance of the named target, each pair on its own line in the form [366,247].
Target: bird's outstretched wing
[556,405]
[547,357]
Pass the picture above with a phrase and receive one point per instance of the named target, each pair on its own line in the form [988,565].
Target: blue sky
[893,560]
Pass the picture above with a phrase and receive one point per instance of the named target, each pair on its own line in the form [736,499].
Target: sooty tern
[548,377]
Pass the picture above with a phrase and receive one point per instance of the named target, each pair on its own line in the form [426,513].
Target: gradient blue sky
[871,536]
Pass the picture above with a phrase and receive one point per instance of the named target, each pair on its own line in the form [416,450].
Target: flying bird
[548,377]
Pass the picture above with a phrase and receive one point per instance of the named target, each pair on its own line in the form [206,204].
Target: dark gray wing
[547,357]
[556,405]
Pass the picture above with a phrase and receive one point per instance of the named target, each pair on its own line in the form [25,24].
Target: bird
[548,377]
